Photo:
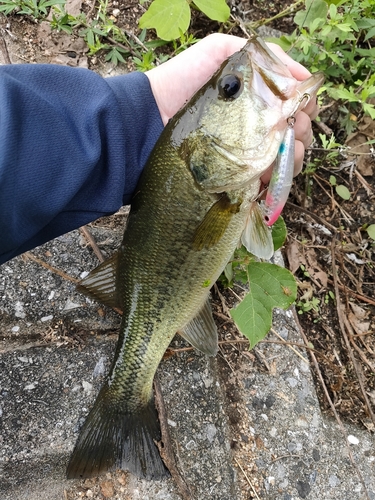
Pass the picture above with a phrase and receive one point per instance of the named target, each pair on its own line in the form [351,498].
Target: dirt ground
[327,249]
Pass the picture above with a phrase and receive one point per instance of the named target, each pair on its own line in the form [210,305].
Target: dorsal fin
[201,332]
[100,284]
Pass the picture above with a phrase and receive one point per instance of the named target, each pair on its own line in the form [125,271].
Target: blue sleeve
[72,147]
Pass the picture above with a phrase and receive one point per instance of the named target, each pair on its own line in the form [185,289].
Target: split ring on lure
[282,173]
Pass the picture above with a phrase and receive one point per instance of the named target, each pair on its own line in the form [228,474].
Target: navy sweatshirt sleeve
[72,147]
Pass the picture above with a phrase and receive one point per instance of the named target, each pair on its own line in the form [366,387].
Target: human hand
[175,81]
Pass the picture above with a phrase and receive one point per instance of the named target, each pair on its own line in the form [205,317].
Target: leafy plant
[33,8]
[269,285]
[340,189]
[307,305]
[334,36]
[171,18]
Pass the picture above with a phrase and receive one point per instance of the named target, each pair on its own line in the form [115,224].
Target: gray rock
[51,371]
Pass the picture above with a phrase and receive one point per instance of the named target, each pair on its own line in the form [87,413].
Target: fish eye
[230,86]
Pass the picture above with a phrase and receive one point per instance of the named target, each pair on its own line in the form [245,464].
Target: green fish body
[196,197]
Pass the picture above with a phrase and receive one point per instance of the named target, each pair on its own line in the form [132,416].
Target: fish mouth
[277,77]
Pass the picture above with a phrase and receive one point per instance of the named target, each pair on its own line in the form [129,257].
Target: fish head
[233,126]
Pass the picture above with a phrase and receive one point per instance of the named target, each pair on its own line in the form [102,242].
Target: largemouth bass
[196,200]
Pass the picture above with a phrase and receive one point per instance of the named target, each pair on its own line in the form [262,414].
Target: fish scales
[196,196]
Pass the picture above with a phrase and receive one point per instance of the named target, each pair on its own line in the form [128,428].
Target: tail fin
[111,438]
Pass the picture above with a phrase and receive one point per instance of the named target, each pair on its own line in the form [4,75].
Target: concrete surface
[55,347]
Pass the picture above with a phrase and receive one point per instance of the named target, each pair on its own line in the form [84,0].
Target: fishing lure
[282,173]
[282,176]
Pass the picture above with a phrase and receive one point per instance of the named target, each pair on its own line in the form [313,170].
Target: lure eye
[230,87]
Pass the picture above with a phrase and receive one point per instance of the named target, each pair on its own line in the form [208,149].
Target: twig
[358,349]
[290,347]
[222,300]
[313,216]
[358,296]
[323,127]
[247,478]
[289,10]
[165,446]
[29,255]
[356,365]
[344,213]
[364,183]
[25,347]
[284,456]
[325,390]
[92,242]
[4,50]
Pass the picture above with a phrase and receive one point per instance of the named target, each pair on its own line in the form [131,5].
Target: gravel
[55,348]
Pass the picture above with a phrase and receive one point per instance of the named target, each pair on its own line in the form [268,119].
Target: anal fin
[201,332]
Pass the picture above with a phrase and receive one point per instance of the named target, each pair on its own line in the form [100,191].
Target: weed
[335,37]
[32,8]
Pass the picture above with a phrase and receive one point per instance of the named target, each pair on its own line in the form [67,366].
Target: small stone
[122,479]
[18,308]
[30,387]
[270,400]
[353,439]
[273,432]
[316,455]
[211,432]
[292,381]
[46,318]
[303,488]
[302,422]
[107,489]
[333,481]
[99,369]
[89,494]
[190,445]
[87,387]
[69,305]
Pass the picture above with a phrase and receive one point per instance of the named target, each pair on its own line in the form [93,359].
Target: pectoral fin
[201,332]
[215,223]
[100,284]
[257,236]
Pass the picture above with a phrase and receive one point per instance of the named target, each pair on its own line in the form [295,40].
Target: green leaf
[314,9]
[370,34]
[168,17]
[345,27]
[332,180]
[217,10]
[369,109]
[270,286]
[343,192]
[371,231]
[279,233]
